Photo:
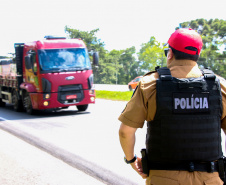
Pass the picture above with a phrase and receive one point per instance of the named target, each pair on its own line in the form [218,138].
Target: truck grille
[70,94]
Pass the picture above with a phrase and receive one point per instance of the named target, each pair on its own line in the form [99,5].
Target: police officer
[185,109]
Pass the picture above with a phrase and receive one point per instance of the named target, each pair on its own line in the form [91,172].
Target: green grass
[114,95]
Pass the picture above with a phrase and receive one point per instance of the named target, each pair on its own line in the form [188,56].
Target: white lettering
[187,102]
[205,103]
[182,103]
[196,103]
[191,103]
[176,102]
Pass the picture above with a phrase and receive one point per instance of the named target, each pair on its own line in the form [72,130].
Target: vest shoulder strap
[164,73]
[208,74]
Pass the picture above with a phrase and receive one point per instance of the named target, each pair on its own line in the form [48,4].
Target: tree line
[121,66]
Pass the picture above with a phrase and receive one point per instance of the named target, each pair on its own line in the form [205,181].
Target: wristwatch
[131,161]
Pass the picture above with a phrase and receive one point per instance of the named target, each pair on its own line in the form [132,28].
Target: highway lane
[24,164]
[86,140]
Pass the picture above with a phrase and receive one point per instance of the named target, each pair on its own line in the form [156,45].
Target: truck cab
[54,73]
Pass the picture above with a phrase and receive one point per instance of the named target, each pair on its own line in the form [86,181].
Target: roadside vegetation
[114,95]
[121,66]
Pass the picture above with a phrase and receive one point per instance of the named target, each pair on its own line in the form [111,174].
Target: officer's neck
[175,62]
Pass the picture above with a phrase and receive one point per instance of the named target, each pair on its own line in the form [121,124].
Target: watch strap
[131,161]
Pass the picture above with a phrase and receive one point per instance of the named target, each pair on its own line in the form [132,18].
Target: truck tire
[130,88]
[82,107]
[2,104]
[17,104]
[27,103]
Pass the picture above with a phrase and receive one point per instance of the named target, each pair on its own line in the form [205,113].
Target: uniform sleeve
[223,91]
[135,111]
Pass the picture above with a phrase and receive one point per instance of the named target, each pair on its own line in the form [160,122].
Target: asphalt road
[24,164]
[87,141]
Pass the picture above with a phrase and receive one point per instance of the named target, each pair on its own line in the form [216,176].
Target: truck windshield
[59,60]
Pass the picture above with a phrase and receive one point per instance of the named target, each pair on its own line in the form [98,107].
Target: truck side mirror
[28,62]
[95,58]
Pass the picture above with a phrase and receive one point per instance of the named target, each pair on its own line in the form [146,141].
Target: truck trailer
[52,73]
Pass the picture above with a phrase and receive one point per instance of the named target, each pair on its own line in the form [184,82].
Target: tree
[213,34]
[212,31]
[151,55]
[127,65]
[91,41]
[107,70]
[3,57]
[93,44]
[114,58]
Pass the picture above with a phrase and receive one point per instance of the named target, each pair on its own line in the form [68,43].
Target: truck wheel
[2,104]
[130,88]
[82,107]
[17,104]
[27,104]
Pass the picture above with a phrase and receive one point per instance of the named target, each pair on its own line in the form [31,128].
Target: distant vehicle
[53,73]
[132,85]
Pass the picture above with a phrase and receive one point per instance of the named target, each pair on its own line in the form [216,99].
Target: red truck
[52,73]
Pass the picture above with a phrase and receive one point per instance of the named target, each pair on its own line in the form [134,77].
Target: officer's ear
[170,54]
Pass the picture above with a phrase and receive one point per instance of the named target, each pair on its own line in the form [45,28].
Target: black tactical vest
[187,124]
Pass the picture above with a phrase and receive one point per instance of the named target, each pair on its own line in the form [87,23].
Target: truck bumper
[40,102]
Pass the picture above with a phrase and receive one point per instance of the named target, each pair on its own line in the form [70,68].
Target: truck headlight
[46,96]
[45,103]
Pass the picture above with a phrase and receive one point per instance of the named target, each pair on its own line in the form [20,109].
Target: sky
[122,23]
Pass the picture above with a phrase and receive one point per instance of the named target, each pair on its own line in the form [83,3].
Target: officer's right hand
[137,166]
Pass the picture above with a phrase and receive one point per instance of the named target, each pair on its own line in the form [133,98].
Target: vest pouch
[190,138]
